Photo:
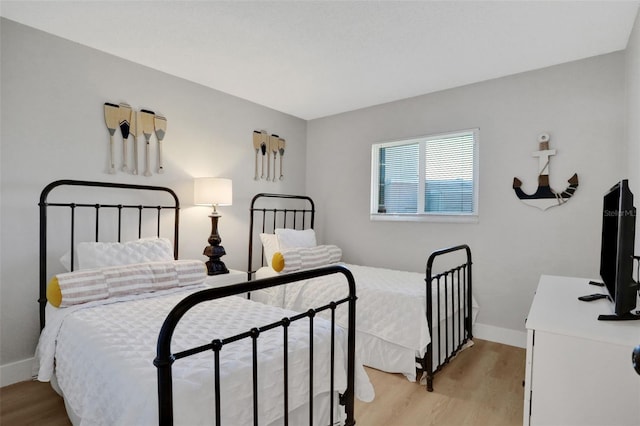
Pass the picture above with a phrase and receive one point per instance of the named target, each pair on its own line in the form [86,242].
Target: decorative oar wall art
[111,117]
[134,132]
[137,124]
[125,127]
[281,144]
[147,124]
[160,124]
[268,146]
[545,197]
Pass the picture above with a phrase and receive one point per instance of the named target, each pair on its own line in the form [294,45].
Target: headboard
[129,206]
[271,211]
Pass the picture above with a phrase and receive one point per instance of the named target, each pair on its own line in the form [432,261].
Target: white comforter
[391,303]
[104,361]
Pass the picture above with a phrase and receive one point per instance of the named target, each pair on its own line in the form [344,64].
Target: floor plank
[482,386]
[32,403]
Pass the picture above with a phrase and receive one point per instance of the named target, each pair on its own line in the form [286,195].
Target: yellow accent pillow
[54,294]
[277,262]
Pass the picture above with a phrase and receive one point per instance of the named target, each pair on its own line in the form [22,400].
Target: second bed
[407,322]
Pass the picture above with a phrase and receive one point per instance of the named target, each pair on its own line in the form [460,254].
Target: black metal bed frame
[164,357]
[45,205]
[461,325]
[459,276]
[302,217]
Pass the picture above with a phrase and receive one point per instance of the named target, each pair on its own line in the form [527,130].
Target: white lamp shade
[212,192]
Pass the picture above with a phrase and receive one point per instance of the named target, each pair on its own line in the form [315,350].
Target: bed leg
[429,382]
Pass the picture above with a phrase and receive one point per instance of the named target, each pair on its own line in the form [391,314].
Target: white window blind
[432,175]
[399,179]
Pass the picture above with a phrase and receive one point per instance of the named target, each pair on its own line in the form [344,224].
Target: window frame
[421,216]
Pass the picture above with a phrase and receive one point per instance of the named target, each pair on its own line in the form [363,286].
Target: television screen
[616,254]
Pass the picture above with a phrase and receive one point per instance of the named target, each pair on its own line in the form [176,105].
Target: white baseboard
[15,372]
[505,336]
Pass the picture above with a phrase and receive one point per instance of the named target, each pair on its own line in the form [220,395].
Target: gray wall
[633,117]
[581,104]
[53,127]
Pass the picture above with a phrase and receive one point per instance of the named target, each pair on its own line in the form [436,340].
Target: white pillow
[103,254]
[270,245]
[65,260]
[293,238]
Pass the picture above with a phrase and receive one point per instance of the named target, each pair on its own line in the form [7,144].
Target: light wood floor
[483,386]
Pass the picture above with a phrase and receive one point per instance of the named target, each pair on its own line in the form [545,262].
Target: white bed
[398,331]
[103,354]
[392,328]
[108,342]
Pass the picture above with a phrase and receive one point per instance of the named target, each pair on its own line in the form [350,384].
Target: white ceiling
[316,58]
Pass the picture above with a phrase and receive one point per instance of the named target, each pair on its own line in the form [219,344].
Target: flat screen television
[616,252]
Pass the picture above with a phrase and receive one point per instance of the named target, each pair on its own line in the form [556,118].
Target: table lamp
[213,192]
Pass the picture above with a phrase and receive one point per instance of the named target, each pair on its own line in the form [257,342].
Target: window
[427,178]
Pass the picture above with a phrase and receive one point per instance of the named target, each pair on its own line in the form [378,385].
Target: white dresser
[578,369]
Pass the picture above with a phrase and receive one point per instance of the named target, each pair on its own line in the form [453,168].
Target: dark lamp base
[216,267]
[214,251]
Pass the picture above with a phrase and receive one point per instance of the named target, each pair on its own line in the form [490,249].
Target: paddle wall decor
[545,197]
[136,124]
[268,145]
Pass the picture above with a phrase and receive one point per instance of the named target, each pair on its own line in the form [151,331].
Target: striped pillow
[88,285]
[140,278]
[190,272]
[305,258]
[81,287]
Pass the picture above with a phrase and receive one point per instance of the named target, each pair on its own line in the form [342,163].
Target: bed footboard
[165,358]
[450,326]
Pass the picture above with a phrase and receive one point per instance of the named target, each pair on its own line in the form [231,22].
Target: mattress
[391,324]
[103,355]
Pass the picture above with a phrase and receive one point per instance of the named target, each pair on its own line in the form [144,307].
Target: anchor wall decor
[545,197]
